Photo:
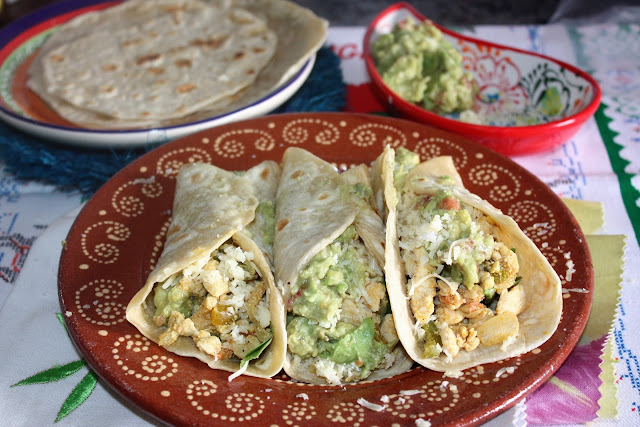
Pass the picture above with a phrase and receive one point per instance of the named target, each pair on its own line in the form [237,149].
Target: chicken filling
[220,302]
[462,280]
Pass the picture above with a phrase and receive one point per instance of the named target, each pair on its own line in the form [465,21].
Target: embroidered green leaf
[61,320]
[78,395]
[53,374]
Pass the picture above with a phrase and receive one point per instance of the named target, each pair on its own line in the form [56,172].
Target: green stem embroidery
[78,395]
[53,374]
[81,391]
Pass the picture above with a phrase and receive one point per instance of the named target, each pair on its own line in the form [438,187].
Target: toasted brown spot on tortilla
[323,196]
[238,55]
[156,70]
[297,173]
[239,19]
[382,244]
[265,174]
[141,60]
[183,63]
[258,49]
[107,89]
[185,88]
[302,209]
[133,42]
[306,241]
[282,224]
[145,114]
[212,42]
[109,67]
[173,230]
[251,72]
[196,177]
[160,82]
[58,58]
[181,237]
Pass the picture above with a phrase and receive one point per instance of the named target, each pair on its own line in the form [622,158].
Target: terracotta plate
[22,108]
[118,236]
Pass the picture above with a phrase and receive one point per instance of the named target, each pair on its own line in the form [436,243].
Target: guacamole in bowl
[421,66]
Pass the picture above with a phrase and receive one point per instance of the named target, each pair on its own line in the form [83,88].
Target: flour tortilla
[211,206]
[540,318]
[299,34]
[310,214]
[169,66]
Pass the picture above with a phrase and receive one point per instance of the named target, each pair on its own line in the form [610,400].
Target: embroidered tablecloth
[599,164]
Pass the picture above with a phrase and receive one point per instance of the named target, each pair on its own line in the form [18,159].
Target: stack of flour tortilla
[144,64]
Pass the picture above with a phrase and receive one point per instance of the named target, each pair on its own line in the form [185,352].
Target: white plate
[20,108]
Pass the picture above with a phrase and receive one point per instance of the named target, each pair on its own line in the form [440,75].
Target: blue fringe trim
[31,158]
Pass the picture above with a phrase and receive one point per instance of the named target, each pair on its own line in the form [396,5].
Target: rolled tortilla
[443,316]
[211,294]
[329,252]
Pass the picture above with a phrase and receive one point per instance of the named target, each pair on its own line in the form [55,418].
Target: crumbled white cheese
[578,290]
[372,406]
[149,180]
[422,423]
[303,396]
[453,374]
[384,399]
[409,392]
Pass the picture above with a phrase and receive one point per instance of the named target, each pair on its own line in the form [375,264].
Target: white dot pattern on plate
[489,175]
[129,352]
[435,146]
[158,244]
[126,200]
[228,146]
[539,216]
[170,163]
[106,309]
[349,413]
[298,412]
[377,135]
[296,133]
[108,234]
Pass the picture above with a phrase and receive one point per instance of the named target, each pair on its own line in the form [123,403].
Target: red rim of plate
[456,125]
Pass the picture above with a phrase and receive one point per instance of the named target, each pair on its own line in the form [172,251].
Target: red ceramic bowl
[508,79]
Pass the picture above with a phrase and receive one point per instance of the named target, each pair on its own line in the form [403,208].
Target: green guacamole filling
[265,221]
[173,299]
[421,66]
[405,160]
[313,327]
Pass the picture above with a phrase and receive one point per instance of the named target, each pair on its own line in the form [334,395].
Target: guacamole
[328,317]
[405,160]
[417,63]
[265,221]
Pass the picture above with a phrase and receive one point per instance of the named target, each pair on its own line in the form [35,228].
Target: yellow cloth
[607,253]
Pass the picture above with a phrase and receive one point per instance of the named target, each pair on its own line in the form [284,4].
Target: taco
[211,294]
[329,253]
[466,285]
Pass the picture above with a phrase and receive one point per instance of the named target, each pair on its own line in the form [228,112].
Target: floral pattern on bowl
[526,102]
